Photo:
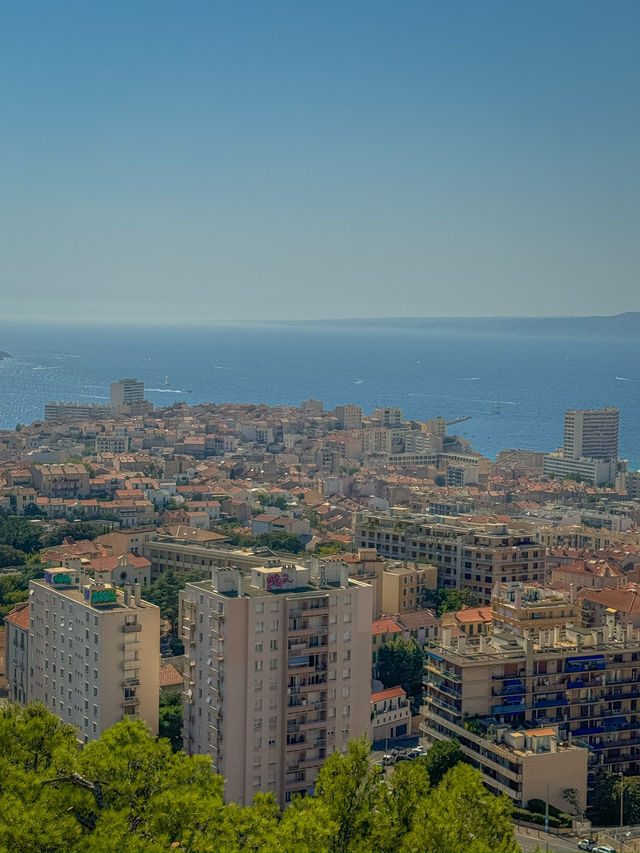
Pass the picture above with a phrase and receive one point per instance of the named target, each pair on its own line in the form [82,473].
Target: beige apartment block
[278,673]
[93,652]
[60,481]
[467,554]
[349,416]
[404,587]
[526,609]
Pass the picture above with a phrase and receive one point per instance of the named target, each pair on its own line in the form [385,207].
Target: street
[531,840]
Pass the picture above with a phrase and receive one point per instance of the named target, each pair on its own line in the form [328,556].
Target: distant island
[616,326]
[5,354]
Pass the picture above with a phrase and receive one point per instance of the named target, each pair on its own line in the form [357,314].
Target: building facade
[467,555]
[581,682]
[277,675]
[93,653]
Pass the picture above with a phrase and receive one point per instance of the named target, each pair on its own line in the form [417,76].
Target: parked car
[403,757]
[603,848]
[585,844]
[388,760]
[416,753]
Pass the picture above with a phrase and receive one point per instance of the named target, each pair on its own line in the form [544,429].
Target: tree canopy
[401,662]
[128,791]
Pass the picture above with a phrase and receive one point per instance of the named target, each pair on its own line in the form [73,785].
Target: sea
[515,388]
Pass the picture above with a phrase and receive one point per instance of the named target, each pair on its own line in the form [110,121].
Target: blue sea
[515,388]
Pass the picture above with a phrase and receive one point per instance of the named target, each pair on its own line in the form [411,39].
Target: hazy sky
[271,159]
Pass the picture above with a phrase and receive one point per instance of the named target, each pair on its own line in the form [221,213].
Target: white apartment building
[112,443]
[54,410]
[278,673]
[349,416]
[93,652]
[126,392]
[590,447]
[591,433]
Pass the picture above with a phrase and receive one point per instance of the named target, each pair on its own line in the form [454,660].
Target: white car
[585,844]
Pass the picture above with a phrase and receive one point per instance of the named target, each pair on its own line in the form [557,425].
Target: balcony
[551,703]
[131,628]
[509,709]
[130,682]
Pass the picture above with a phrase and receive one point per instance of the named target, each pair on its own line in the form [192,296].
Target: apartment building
[404,587]
[277,675]
[126,392]
[112,444]
[68,411]
[583,683]
[390,714]
[60,481]
[349,416]
[526,609]
[17,645]
[93,652]
[590,447]
[468,555]
[591,433]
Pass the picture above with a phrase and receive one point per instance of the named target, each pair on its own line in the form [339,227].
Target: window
[275,625]
[260,607]
[273,664]
[259,627]
[347,636]
[346,673]
[258,648]
[257,666]
[274,645]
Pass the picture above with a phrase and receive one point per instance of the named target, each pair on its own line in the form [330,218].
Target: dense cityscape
[277,588]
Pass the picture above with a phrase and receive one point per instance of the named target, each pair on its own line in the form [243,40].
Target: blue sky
[281,160]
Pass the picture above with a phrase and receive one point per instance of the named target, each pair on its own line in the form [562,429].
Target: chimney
[344,575]
[446,636]
[239,580]
[137,589]
[126,594]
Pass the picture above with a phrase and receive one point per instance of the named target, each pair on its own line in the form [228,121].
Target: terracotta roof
[540,732]
[418,619]
[625,599]
[169,675]
[474,614]
[385,626]
[389,693]
[19,616]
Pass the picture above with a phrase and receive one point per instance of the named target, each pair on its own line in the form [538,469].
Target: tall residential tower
[278,674]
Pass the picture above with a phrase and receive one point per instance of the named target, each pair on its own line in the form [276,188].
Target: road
[551,843]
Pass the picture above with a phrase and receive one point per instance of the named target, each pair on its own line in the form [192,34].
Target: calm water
[516,389]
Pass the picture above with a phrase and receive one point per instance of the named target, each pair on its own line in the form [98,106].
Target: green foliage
[128,791]
[460,816]
[10,556]
[536,817]
[349,786]
[170,719]
[441,757]
[329,548]
[14,587]
[605,809]
[440,480]
[75,530]
[165,590]
[451,600]
[401,662]
[19,533]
